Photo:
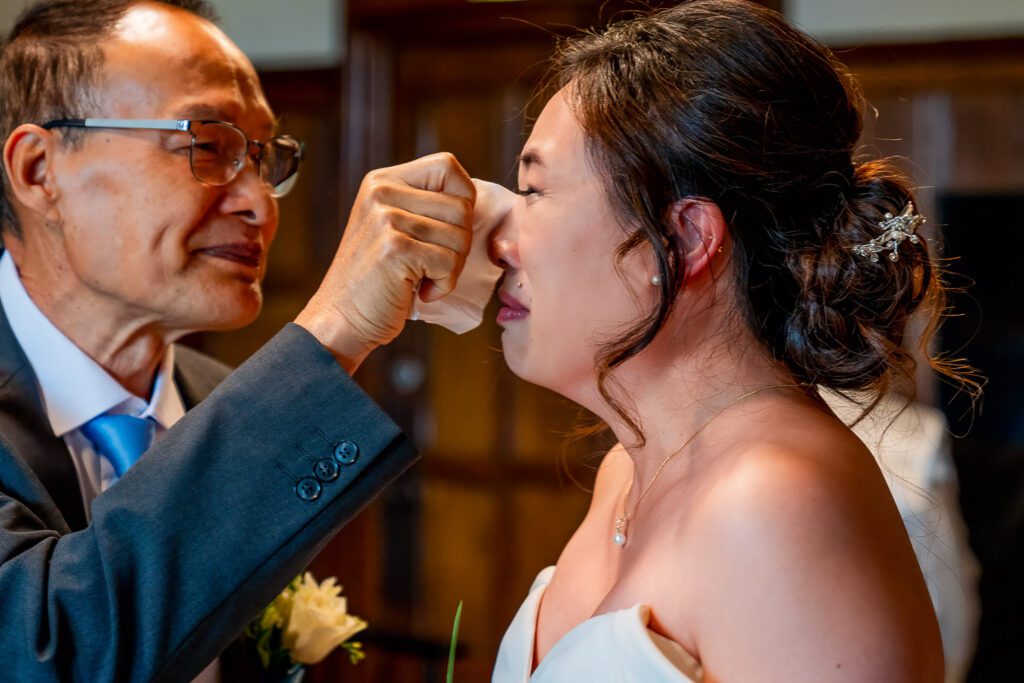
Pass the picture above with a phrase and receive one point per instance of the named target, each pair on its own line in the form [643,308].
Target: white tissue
[462,309]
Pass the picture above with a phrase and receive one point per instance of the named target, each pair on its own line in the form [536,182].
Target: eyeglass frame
[185,126]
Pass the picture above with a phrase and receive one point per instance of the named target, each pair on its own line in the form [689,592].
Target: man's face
[134,227]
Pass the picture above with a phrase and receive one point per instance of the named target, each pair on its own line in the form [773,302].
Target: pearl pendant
[619,537]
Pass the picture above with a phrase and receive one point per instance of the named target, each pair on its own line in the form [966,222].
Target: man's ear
[702,231]
[28,158]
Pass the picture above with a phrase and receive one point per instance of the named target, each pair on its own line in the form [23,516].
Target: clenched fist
[410,227]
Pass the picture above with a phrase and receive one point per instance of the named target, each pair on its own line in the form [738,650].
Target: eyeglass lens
[219,152]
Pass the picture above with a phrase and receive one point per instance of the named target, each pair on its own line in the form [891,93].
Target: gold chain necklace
[619,537]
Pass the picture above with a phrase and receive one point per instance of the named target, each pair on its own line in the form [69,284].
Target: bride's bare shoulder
[794,529]
[798,482]
[795,463]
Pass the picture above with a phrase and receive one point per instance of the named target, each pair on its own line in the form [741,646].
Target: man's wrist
[334,333]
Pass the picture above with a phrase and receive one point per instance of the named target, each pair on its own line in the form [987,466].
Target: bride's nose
[503,244]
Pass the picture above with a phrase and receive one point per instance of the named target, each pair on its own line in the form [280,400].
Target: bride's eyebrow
[528,159]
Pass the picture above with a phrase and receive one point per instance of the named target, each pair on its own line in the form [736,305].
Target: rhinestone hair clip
[895,229]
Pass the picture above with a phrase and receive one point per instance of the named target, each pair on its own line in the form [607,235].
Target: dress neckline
[628,622]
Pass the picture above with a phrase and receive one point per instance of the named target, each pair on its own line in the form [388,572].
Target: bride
[694,252]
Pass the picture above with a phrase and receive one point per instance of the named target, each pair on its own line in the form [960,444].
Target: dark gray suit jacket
[187,547]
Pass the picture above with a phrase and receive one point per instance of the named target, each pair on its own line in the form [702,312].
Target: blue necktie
[121,439]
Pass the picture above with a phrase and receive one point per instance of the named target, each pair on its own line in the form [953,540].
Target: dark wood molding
[434,21]
[303,88]
[953,65]
[977,48]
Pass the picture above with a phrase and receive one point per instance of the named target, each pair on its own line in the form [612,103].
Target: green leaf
[355,652]
[263,649]
[455,640]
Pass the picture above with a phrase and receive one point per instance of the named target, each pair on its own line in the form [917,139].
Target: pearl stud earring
[656,280]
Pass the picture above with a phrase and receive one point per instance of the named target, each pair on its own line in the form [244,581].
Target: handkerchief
[462,309]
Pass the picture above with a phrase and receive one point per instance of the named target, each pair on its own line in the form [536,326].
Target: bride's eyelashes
[528,192]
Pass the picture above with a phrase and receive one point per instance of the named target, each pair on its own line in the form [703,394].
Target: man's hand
[410,226]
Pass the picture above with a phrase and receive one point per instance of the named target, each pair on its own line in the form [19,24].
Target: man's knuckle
[392,247]
[390,216]
[466,211]
[380,190]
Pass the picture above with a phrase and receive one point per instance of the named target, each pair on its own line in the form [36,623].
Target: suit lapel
[27,435]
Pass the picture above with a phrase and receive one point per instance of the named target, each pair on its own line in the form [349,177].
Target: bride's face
[562,294]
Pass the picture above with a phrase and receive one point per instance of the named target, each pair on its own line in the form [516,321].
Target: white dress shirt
[75,389]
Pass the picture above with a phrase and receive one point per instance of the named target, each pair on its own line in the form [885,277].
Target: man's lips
[246,253]
[512,309]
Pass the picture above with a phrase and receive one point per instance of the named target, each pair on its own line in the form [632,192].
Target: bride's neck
[682,382]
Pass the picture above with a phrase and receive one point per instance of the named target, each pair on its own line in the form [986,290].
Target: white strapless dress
[616,646]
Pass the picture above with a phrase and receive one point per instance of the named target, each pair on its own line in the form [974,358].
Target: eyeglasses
[218,150]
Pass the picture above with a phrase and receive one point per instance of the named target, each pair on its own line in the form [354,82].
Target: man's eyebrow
[206,112]
[531,158]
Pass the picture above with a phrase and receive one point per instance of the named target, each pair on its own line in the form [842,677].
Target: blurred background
[502,484]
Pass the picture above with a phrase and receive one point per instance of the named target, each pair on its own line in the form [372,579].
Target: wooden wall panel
[465,431]
[989,141]
[545,518]
[459,527]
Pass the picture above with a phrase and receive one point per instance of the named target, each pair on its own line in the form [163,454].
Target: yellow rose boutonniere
[319,620]
[304,624]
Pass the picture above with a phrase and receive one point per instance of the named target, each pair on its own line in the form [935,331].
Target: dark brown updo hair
[724,101]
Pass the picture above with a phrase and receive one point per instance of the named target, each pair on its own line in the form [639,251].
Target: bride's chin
[538,375]
[532,364]
[516,360]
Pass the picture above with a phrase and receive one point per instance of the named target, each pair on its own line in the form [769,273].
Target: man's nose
[249,198]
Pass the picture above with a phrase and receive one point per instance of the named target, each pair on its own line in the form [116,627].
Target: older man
[140,175]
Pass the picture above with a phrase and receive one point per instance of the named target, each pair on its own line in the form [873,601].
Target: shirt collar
[165,405]
[75,388]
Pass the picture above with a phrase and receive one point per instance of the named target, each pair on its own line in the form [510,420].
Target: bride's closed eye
[529,191]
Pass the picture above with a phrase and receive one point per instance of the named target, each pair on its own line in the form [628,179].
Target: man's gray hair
[49,64]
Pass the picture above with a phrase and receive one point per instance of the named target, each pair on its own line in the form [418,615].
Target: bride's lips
[246,253]
[512,310]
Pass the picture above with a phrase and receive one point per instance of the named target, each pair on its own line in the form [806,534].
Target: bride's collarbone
[597,577]
[594,576]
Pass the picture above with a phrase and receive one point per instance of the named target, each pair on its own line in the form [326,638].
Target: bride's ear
[702,232]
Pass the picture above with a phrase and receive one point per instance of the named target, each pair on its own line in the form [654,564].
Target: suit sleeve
[185,549]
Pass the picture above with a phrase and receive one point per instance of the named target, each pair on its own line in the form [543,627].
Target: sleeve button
[346,453]
[308,489]
[326,469]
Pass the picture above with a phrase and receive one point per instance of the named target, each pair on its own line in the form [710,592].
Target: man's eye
[208,147]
